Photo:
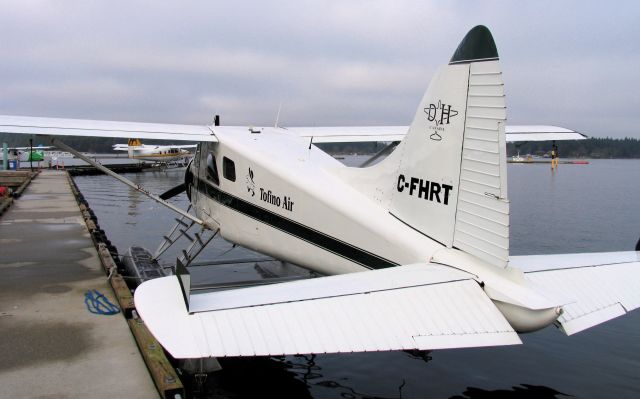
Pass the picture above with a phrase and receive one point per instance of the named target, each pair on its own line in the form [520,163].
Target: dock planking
[51,344]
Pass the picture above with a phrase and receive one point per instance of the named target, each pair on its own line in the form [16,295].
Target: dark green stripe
[295,229]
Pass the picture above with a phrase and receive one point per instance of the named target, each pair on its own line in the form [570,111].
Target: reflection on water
[302,377]
[259,377]
[307,370]
[282,377]
[580,208]
[525,391]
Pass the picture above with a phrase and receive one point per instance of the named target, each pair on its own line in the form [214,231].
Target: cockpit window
[212,170]
[228,169]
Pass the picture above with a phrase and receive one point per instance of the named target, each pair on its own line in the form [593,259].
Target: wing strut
[380,154]
[124,180]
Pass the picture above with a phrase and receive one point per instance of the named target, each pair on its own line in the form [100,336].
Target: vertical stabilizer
[132,143]
[451,166]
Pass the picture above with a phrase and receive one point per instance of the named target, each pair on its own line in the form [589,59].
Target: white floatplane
[37,153]
[26,154]
[415,248]
[156,153]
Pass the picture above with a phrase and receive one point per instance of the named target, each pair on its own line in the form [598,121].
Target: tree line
[588,148]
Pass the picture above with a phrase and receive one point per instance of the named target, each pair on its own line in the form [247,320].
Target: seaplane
[155,153]
[412,249]
[26,154]
[39,153]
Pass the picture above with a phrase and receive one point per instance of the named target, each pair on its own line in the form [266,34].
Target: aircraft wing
[36,148]
[541,133]
[420,306]
[92,128]
[396,133]
[603,285]
[125,147]
[351,134]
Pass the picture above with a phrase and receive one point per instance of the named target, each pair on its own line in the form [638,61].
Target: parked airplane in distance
[156,153]
[26,154]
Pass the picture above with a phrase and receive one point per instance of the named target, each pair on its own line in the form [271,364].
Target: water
[579,208]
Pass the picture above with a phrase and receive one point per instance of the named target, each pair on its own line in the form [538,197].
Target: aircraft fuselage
[156,153]
[277,195]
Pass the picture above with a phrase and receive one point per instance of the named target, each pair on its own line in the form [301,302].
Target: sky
[322,63]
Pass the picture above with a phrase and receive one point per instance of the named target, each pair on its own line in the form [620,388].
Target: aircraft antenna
[278,115]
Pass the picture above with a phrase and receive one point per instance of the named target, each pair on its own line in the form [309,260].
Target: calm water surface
[579,208]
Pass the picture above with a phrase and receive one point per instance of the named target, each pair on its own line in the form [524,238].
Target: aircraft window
[212,169]
[228,169]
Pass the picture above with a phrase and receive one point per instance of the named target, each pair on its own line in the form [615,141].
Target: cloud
[335,62]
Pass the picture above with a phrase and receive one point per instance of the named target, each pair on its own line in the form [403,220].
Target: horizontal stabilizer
[602,285]
[91,128]
[420,306]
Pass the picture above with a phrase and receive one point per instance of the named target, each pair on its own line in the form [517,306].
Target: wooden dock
[51,344]
[83,170]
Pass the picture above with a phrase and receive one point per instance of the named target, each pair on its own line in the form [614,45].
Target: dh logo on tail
[440,114]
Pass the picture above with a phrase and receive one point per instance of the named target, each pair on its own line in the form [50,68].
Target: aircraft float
[414,249]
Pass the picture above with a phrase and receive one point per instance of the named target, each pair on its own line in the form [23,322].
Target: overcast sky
[570,63]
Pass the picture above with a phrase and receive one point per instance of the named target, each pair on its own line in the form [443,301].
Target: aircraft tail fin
[450,169]
[131,144]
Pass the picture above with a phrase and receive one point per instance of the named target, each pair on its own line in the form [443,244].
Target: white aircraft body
[415,247]
[156,153]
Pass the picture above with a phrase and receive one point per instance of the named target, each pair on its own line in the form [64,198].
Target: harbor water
[578,208]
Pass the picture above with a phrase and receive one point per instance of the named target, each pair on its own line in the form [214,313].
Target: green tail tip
[477,45]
